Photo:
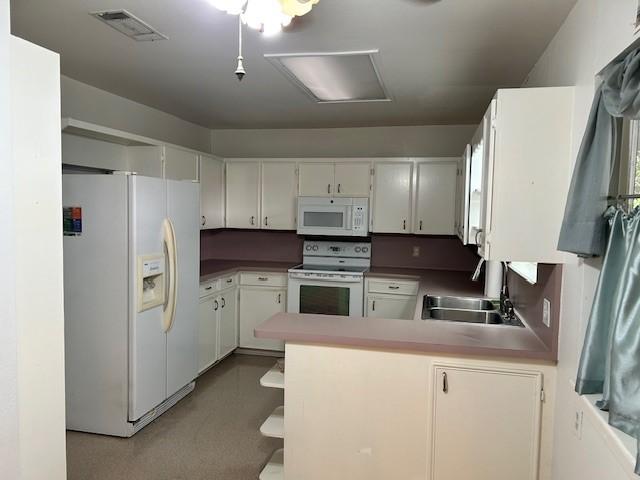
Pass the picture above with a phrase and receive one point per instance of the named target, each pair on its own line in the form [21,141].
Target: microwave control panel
[359,220]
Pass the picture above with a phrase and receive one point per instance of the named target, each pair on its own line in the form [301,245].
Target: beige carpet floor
[212,434]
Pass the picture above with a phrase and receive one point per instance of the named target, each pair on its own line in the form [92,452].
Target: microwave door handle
[348,224]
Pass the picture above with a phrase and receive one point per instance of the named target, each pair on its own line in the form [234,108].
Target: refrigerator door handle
[170,246]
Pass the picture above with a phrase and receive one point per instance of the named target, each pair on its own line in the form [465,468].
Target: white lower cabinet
[399,307]
[393,299]
[207,332]
[486,423]
[217,326]
[257,304]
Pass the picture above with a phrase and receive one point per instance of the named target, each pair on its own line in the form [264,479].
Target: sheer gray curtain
[610,360]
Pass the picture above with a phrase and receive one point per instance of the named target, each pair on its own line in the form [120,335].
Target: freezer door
[148,341]
[183,208]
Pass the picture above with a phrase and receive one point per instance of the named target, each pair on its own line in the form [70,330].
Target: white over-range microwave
[333,216]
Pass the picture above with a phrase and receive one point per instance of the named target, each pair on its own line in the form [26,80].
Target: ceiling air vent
[129,25]
[337,77]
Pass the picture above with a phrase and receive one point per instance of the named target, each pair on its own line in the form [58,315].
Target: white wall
[8,340]
[423,141]
[595,32]
[36,154]
[84,102]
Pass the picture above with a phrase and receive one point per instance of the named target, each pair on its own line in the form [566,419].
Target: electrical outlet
[546,312]
[577,424]
[416,251]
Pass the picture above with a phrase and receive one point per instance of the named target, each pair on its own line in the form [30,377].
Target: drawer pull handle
[339,187]
[404,224]
[263,279]
[266,221]
[229,280]
[215,305]
[209,287]
[394,287]
[420,224]
[204,220]
[445,382]
[279,298]
[223,302]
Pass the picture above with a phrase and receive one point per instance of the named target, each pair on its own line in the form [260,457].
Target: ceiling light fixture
[267,16]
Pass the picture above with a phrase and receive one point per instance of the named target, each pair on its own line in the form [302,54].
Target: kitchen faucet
[506,305]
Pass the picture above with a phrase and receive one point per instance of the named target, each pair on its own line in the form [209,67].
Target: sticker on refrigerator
[72,221]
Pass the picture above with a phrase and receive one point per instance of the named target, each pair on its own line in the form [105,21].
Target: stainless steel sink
[458,303]
[466,316]
[465,310]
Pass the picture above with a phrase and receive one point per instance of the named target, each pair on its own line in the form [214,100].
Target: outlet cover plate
[546,312]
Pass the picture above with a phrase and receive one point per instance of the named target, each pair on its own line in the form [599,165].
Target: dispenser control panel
[151,281]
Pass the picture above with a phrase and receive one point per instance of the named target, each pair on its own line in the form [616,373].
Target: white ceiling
[441,60]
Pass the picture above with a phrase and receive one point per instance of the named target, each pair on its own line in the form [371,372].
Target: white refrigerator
[131,277]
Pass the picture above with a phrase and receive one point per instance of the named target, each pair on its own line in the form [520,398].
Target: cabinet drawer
[264,279]
[210,287]
[393,287]
[228,281]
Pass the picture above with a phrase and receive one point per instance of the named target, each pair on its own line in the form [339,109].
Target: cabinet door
[398,307]
[257,305]
[279,184]
[207,332]
[316,179]
[436,198]
[392,197]
[211,192]
[228,325]
[486,424]
[463,196]
[352,179]
[243,194]
[180,164]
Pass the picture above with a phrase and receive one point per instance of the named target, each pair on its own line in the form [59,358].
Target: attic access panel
[339,77]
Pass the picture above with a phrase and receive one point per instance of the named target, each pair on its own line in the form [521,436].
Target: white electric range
[330,280]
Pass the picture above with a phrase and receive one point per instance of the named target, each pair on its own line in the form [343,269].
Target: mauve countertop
[412,335]
[214,268]
[406,335]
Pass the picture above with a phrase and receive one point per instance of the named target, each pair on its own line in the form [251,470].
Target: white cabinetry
[211,192]
[486,423]
[436,183]
[527,170]
[393,299]
[463,192]
[180,164]
[243,194]
[392,197]
[346,179]
[279,185]
[218,321]
[262,295]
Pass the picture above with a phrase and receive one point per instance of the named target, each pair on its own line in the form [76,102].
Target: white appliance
[333,216]
[330,280]
[131,277]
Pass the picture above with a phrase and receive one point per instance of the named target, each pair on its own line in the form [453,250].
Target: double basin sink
[465,310]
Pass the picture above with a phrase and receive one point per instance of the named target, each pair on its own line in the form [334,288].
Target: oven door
[344,296]
[325,220]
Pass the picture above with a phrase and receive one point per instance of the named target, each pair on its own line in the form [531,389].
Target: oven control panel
[337,249]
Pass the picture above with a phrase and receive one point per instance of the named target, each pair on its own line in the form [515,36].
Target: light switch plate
[577,424]
[546,312]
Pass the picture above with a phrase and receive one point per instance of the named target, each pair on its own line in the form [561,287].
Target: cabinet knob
[445,382]
[204,220]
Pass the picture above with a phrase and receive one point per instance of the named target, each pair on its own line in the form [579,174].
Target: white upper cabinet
[475,183]
[463,192]
[527,171]
[436,197]
[392,197]
[328,179]
[211,192]
[279,185]
[180,164]
[243,194]
[316,179]
[352,179]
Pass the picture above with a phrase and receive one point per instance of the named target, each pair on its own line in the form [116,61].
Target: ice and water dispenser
[151,281]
